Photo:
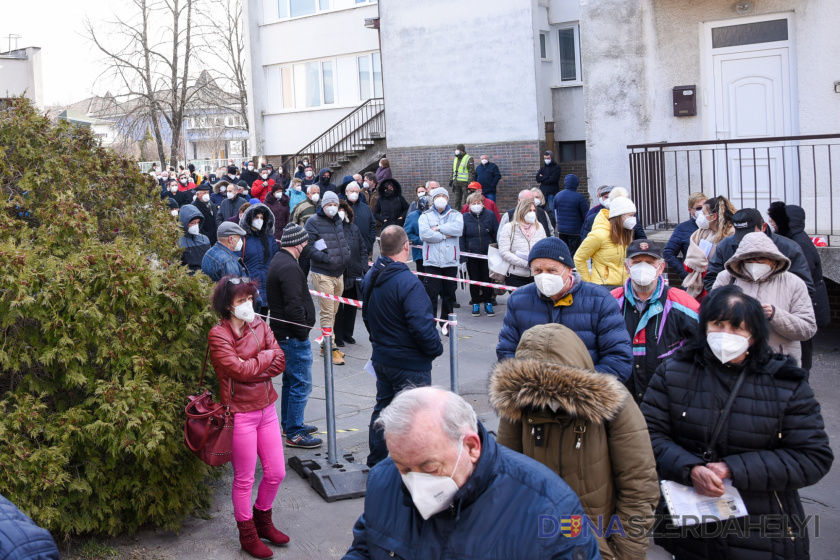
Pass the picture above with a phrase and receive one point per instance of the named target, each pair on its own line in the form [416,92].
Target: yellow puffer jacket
[607,257]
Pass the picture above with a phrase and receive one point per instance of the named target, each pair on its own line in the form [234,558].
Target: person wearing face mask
[260,247]
[278,203]
[182,197]
[391,208]
[289,300]
[342,188]
[584,426]
[208,211]
[219,193]
[475,187]
[246,358]
[607,244]
[325,183]
[185,183]
[440,229]
[297,194]
[542,217]
[172,206]
[232,174]
[329,258]
[549,177]
[603,209]
[516,238]
[345,317]
[539,200]
[480,229]
[300,172]
[569,209]
[726,407]
[444,487]
[761,271]
[249,174]
[677,247]
[170,191]
[309,177]
[463,173]
[362,214]
[262,185]
[225,257]
[194,244]
[305,209]
[383,171]
[558,295]
[487,174]
[370,189]
[412,230]
[230,205]
[658,318]
[419,192]
[714,224]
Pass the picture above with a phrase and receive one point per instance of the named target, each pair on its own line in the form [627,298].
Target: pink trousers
[255,434]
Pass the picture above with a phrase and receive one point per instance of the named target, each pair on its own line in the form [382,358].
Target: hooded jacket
[773,442]
[479,232]
[549,178]
[570,207]
[398,315]
[390,210]
[325,184]
[581,424]
[333,260]
[441,248]
[793,320]
[209,211]
[667,320]
[412,230]
[260,248]
[494,515]
[289,298]
[607,257]
[295,198]
[280,208]
[194,246]
[591,312]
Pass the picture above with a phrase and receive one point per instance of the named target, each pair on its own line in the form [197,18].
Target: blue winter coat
[479,232]
[678,245]
[20,538]
[398,315]
[496,514]
[412,229]
[489,176]
[594,315]
[260,248]
[570,209]
[220,261]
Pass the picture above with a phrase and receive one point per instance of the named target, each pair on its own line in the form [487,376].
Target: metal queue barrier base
[334,477]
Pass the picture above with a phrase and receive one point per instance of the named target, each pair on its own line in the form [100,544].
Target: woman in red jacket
[246,358]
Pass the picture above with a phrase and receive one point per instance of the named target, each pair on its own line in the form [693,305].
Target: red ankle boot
[250,541]
[266,529]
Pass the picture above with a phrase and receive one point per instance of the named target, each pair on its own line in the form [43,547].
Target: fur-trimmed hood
[523,384]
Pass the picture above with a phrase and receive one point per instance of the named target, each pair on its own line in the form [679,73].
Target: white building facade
[20,74]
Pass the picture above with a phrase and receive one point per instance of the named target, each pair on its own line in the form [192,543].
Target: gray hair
[309,188]
[605,189]
[428,185]
[457,417]
[523,193]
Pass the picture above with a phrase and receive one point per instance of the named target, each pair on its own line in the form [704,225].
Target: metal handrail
[733,141]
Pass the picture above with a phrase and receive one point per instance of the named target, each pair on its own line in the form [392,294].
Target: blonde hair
[618,233]
[475,198]
[538,194]
[694,198]
[522,208]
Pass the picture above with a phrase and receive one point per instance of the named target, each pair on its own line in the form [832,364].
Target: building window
[370,76]
[307,85]
[544,45]
[571,151]
[299,8]
[329,82]
[569,42]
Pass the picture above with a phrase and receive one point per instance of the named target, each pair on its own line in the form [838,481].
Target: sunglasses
[240,280]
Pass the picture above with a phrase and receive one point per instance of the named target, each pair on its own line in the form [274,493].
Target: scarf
[696,261]
[528,230]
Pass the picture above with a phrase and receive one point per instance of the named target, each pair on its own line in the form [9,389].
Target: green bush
[103,336]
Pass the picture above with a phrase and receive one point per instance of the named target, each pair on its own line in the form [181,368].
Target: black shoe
[457,305]
[339,343]
[349,339]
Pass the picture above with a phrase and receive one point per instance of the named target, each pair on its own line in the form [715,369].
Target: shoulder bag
[208,430]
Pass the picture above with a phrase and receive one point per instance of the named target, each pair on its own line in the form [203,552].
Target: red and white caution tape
[474,282]
[471,255]
[339,299]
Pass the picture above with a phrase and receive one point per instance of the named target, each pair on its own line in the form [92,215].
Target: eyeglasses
[240,280]
[698,208]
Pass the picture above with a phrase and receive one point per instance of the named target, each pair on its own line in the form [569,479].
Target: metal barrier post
[453,353]
[330,398]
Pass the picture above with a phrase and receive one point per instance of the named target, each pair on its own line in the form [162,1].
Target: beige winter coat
[793,320]
[583,425]
[513,241]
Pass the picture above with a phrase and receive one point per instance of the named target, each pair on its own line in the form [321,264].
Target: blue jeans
[389,382]
[491,196]
[549,203]
[297,384]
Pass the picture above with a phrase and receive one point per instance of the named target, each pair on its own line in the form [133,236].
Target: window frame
[558,75]
[372,72]
[288,4]
[545,44]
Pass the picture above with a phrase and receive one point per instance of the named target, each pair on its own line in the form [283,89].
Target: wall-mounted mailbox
[685,101]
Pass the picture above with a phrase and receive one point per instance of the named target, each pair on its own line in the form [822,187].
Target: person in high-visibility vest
[463,173]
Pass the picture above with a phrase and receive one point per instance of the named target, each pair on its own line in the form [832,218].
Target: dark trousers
[444,288]
[304,265]
[345,319]
[419,266]
[479,271]
[807,355]
[570,239]
[389,382]
[518,281]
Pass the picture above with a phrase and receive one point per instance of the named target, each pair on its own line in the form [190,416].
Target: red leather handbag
[208,431]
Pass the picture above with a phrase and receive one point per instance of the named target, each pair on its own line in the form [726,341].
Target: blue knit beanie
[552,248]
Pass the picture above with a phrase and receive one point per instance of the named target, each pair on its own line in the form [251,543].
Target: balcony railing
[751,172]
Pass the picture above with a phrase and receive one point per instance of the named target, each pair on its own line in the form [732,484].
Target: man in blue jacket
[487,173]
[679,241]
[570,209]
[398,315]
[449,490]
[225,257]
[559,295]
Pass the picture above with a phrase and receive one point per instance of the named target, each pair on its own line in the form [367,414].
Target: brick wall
[517,161]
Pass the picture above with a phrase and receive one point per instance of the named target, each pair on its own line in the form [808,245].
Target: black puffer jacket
[334,259]
[774,442]
[391,209]
[479,232]
[358,247]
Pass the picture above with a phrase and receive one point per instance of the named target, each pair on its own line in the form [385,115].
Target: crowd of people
[609,377]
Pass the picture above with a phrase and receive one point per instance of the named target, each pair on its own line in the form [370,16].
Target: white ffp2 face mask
[643,273]
[757,271]
[353,196]
[230,195]
[238,245]
[278,195]
[530,217]
[701,221]
[331,210]
[342,214]
[727,346]
[205,198]
[476,208]
[441,202]
[245,311]
[629,223]
[484,162]
[257,223]
[430,493]
[315,197]
[549,285]
[193,230]
[605,202]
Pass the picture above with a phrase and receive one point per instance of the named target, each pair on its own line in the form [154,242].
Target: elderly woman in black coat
[770,444]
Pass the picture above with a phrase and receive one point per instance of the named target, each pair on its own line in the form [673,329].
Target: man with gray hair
[463,486]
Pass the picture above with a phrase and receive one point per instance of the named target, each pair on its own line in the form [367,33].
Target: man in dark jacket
[233,200]
[289,301]
[659,318]
[748,220]
[208,210]
[549,178]
[194,244]
[328,259]
[300,172]
[398,315]
[570,209]
[324,182]
[249,175]
[487,173]
[559,295]
[391,208]
[434,432]
[363,215]
[677,247]
[21,538]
